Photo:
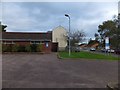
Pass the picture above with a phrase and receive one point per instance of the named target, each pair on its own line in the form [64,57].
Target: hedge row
[18,48]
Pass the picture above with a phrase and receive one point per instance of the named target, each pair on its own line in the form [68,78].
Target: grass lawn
[87,55]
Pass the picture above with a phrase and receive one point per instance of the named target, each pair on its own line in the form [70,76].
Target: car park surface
[47,71]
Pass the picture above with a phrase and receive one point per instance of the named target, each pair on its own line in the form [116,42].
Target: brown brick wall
[47,49]
[22,43]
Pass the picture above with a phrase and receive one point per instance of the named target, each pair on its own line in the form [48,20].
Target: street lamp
[119,20]
[69,33]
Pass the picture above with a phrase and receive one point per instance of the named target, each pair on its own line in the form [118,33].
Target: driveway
[47,71]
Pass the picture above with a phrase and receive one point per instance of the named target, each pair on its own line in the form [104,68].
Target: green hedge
[39,48]
[15,48]
[28,48]
[6,48]
[33,47]
[21,49]
[18,48]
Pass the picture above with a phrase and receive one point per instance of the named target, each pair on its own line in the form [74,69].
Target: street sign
[107,45]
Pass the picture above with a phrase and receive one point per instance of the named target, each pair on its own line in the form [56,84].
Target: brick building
[47,39]
[24,39]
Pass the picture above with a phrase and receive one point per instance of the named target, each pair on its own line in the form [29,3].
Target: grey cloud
[47,15]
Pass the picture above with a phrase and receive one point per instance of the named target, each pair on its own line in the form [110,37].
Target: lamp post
[69,33]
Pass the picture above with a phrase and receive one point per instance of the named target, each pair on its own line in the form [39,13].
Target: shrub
[15,48]
[33,47]
[28,48]
[39,47]
[21,49]
[6,48]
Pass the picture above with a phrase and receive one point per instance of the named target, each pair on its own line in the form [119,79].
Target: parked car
[103,50]
[92,49]
[77,49]
[73,49]
[110,51]
[117,51]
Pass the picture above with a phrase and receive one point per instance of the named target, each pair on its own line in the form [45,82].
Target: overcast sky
[45,16]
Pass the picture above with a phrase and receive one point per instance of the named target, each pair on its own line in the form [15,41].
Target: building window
[8,42]
[35,42]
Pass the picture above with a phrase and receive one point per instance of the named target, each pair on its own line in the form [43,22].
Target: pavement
[47,71]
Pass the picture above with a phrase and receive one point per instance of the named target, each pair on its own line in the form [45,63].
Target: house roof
[60,27]
[27,36]
[93,43]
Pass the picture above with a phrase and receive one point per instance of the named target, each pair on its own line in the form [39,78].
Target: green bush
[21,49]
[6,48]
[28,48]
[33,47]
[18,48]
[15,48]
[39,48]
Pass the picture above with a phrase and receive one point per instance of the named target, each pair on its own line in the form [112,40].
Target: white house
[59,35]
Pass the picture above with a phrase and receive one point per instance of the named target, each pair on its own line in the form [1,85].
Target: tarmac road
[47,71]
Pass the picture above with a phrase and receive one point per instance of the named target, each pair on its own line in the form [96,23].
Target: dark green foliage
[39,48]
[15,48]
[109,29]
[9,48]
[6,48]
[28,48]
[2,28]
[33,47]
[96,36]
[21,49]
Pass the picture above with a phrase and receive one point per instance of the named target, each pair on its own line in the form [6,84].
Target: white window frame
[11,42]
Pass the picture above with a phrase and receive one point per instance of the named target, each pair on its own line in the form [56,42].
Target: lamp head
[66,15]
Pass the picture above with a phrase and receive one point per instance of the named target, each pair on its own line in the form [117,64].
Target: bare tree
[77,37]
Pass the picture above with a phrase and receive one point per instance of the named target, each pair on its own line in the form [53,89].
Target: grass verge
[87,55]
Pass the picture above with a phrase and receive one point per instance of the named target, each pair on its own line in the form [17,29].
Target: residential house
[83,46]
[93,44]
[59,36]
